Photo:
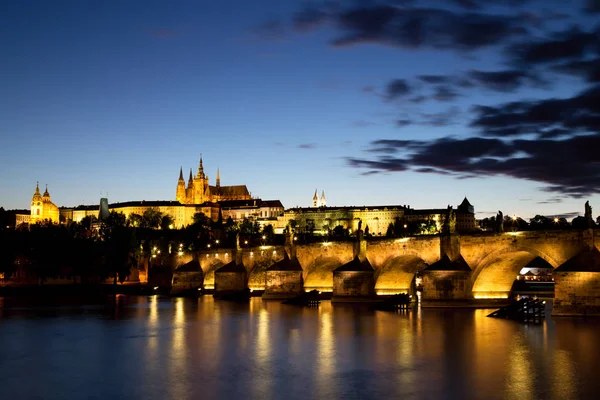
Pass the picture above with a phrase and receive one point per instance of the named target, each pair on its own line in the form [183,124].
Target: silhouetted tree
[151,218]
[166,222]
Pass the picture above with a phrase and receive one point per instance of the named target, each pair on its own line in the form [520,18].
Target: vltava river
[161,348]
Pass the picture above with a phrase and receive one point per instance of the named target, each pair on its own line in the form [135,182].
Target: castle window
[38,212]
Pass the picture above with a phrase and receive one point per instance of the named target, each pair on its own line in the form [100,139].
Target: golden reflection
[564,375]
[262,355]
[325,369]
[519,383]
[178,367]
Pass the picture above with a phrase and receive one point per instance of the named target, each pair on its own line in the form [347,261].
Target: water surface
[162,348]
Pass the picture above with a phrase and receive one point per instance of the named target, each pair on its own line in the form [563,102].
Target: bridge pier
[355,281]
[283,279]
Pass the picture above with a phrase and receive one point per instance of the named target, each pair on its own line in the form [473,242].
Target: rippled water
[162,348]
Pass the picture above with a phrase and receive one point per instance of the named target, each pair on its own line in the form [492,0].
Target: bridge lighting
[556,220]
[217,241]
[208,245]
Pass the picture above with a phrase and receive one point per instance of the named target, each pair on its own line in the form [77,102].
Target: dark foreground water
[162,348]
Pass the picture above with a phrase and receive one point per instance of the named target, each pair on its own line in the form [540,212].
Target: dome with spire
[46,195]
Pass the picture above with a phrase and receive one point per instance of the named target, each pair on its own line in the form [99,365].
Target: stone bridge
[493,260]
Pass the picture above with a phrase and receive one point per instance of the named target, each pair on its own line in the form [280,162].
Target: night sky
[375,102]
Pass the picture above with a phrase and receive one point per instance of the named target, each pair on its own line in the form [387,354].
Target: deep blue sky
[287,97]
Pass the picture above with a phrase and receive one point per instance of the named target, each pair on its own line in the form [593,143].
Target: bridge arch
[495,274]
[319,274]
[397,273]
[209,273]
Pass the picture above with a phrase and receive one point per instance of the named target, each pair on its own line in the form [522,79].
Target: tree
[268,230]
[87,221]
[340,231]
[201,220]
[134,219]
[151,218]
[166,222]
[390,230]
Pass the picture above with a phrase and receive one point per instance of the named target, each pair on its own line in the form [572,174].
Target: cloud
[579,114]
[424,28]
[566,45]
[307,146]
[445,93]
[505,81]
[400,123]
[592,6]
[397,88]
[588,70]
[478,4]
[569,167]
[553,200]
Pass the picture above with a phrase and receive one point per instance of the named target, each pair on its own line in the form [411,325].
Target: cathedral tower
[180,193]
[316,199]
[323,202]
[201,189]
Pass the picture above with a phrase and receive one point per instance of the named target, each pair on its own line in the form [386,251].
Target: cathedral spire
[218,178]
[191,180]
[200,168]
[181,174]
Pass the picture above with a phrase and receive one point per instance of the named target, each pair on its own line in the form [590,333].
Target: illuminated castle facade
[199,191]
[42,208]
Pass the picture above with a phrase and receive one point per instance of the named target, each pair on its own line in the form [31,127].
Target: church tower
[201,189]
[323,202]
[316,199]
[218,178]
[180,193]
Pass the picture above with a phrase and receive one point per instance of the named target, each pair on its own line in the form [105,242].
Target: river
[155,347]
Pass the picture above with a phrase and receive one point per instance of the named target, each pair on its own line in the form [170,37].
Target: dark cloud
[445,93]
[589,70]
[440,119]
[307,146]
[478,4]
[568,167]
[553,200]
[425,27]
[505,81]
[435,79]
[403,122]
[397,88]
[592,6]
[579,114]
[566,45]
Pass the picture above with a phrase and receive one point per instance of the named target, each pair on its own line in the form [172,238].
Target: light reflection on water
[157,348]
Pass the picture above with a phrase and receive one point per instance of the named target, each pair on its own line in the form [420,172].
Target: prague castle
[199,191]
[236,202]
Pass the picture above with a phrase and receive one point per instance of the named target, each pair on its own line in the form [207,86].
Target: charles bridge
[451,266]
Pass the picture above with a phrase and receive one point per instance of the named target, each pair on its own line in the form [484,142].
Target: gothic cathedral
[199,191]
